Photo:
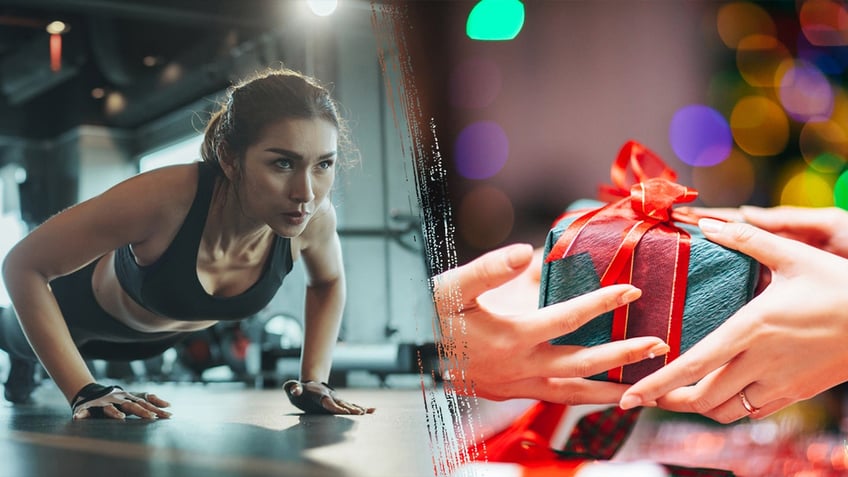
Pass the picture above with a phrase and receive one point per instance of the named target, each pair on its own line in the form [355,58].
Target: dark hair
[263,99]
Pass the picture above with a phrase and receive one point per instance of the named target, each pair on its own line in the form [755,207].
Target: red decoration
[528,439]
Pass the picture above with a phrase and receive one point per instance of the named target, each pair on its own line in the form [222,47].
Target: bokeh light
[737,20]
[726,88]
[481,150]
[840,191]
[830,60]
[758,57]
[824,145]
[824,22]
[700,136]
[839,115]
[759,126]
[486,217]
[805,92]
[495,20]
[115,103]
[805,187]
[475,83]
[729,183]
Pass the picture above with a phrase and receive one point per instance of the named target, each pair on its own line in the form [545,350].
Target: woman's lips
[295,218]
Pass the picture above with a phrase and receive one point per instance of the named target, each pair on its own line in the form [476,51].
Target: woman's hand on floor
[112,402]
[313,397]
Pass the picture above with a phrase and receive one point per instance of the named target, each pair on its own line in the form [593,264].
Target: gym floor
[218,430]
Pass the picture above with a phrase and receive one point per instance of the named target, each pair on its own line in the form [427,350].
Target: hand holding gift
[825,228]
[788,343]
[489,317]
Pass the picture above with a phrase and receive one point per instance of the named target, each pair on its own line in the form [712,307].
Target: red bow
[642,206]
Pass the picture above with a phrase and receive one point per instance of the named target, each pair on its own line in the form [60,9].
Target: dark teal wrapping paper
[719,282]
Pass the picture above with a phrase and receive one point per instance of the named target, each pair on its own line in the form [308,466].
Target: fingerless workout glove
[95,396]
[309,401]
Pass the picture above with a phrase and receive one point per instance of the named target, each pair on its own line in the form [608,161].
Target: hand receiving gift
[788,343]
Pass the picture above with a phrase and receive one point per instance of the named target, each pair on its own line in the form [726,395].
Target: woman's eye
[284,164]
[326,164]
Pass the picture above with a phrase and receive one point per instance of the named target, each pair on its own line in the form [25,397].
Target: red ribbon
[644,204]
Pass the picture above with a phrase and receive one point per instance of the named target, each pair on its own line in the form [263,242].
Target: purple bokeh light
[700,136]
[806,93]
[481,150]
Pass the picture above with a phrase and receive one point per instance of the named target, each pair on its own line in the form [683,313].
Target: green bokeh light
[828,162]
[495,20]
[840,191]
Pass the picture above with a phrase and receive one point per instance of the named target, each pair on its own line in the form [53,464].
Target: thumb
[765,247]
[488,271]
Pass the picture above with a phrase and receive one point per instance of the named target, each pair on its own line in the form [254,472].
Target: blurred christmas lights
[495,20]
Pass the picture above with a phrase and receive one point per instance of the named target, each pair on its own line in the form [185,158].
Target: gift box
[634,235]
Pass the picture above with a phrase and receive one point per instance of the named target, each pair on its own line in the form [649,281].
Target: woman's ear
[229,164]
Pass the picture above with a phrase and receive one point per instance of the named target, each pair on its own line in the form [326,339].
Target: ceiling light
[115,103]
[57,28]
[322,8]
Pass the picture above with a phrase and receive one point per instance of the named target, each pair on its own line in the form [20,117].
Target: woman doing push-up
[129,273]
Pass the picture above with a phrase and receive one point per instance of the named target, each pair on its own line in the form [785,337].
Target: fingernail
[710,225]
[629,296]
[630,401]
[658,349]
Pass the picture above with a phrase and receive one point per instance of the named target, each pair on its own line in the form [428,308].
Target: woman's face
[287,174]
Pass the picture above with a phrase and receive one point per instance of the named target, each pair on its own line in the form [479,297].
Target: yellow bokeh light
[729,183]
[759,126]
[840,108]
[806,187]
[758,57]
[737,20]
[824,145]
[485,217]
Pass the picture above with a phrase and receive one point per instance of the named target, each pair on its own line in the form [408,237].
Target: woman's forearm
[45,328]
[323,316]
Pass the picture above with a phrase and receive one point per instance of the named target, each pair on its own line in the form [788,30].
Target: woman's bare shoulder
[170,185]
[146,207]
[164,197]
